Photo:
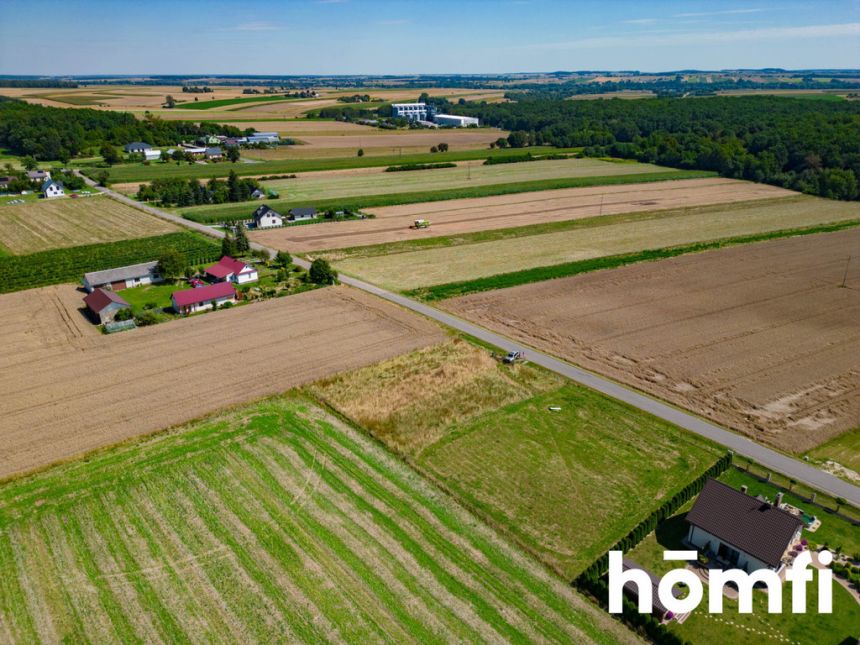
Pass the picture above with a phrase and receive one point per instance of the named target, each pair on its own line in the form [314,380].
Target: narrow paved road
[771,459]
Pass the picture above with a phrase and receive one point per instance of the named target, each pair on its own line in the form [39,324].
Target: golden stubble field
[59,223]
[455,216]
[65,389]
[761,338]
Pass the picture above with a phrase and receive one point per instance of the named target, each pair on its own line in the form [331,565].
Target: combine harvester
[421,223]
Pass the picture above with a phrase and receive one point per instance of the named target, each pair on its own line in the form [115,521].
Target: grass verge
[539,274]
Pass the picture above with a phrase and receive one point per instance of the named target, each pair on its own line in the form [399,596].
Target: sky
[427,37]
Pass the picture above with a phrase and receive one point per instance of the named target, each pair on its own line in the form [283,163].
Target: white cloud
[641,21]
[687,38]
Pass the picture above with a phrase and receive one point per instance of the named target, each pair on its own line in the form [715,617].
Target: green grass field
[565,485]
[139,172]
[271,523]
[217,103]
[229,212]
[811,628]
[542,253]
[844,450]
[157,294]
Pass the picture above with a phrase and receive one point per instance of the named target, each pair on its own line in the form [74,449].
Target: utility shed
[104,304]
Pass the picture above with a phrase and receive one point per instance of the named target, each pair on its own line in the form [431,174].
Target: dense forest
[48,133]
[32,82]
[807,145]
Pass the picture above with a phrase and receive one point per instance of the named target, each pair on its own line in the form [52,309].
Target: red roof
[100,298]
[202,294]
[225,266]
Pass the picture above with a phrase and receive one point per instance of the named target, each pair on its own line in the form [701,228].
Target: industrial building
[455,121]
[424,112]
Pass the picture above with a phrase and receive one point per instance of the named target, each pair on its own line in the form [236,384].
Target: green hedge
[19,272]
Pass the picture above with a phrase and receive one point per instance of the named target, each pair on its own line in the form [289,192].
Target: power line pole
[845,275]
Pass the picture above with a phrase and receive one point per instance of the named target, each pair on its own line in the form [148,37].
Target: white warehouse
[453,120]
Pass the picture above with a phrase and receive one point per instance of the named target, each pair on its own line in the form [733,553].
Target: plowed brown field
[65,389]
[761,338]
[504,211]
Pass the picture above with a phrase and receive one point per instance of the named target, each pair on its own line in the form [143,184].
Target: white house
[190,301]
[152,155]
[266,217]
[52,189]
[455,120]
[136,147]
[229,270]
[123,277]
[746,532]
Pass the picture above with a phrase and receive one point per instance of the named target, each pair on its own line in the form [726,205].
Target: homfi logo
[798,574]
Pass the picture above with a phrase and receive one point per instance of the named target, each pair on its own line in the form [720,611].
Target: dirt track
[65,389]
[503,211]
[760,338]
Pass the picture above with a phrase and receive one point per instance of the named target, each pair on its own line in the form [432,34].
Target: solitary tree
[360,152]
[233,154]
[242,243]
[171,264]
[434,149]
[443,147]
[169,101]
[283,259]
[110,154]
[29,163]
[321,272]
[518,139]
[103,178]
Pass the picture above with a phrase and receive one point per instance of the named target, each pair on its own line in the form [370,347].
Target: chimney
[744,489]
[778,501]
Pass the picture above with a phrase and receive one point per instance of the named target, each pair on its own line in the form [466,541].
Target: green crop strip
[539,274]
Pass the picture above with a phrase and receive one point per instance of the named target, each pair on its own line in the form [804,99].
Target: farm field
[458,216]
[51,224]
[132,172]
[85,391]
[273,522]
[653,229]
[484,431]
[348,184]
[55,266]
[760,338]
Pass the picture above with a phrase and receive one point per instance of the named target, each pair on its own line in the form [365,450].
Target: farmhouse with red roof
[104,304]
[190,301]
[229,270]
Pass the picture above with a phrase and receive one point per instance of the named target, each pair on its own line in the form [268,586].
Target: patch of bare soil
[65,389]
[762,338]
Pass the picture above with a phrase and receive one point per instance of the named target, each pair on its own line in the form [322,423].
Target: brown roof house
[746,532]
[104,304]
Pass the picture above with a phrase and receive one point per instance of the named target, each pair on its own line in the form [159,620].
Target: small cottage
[52,189]
[302,213]
[267,217]
[136,147]
[228,269]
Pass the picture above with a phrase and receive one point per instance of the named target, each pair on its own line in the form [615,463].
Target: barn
[123,277]
[104,304]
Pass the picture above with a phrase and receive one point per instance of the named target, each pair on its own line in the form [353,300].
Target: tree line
[48,133]
[192,192]
[805,145]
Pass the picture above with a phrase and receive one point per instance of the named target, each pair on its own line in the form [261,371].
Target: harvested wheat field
[64,391]
[59,223]
[761,338]
[466,138]
[596,237]
[455,216]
